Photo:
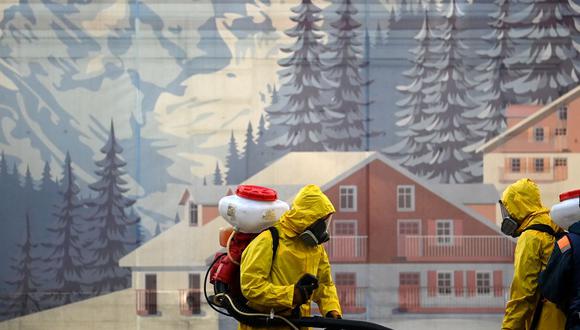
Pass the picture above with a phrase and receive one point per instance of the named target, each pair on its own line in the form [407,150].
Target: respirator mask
[508,224]
[317,233]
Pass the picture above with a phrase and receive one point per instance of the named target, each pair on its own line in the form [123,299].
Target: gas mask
[508,224]
[317,233]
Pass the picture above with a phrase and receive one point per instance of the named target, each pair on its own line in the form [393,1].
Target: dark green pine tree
[297,118]
[412,148]
[235,166]
[28,181]
[65,261]
[344,67]
[26,298]
[217,175]
[14,177]
[448,99]
[3,167]
[116,233]
[250,153]
[548,64]
[47,185]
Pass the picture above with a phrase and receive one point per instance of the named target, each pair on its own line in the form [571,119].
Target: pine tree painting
[412,150]
[344,66]
[235,167]
[113,229]
[301,111]
[217,175]
[250,153]
[548,64]
[448,101]
[26,297]
[66,267]
[438,115]
[493,76]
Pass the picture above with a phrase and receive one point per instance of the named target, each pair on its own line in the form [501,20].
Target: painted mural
[110,109]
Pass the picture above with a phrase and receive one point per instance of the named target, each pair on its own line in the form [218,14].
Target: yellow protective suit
[269,284]
[533,249]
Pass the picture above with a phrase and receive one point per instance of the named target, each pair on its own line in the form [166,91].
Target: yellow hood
[310,204]
[522,201]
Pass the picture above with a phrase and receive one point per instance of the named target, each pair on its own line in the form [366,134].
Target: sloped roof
[186,246]
[523,125]
[328,168]
[301,168]
[472,193]
[180,246]
[205,195]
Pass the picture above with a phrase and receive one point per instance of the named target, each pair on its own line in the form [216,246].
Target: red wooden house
[399,243]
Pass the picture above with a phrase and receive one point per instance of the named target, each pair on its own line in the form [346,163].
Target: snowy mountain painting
[145,98]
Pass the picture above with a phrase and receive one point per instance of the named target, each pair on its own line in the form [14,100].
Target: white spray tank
[252,208]
[567,212]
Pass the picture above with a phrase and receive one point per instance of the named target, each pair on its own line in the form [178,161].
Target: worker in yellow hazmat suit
[525,217]
[300,271]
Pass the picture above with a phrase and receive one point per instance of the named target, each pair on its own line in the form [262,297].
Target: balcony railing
[189,302]
[146,302]
[452,300]
[352,299]
[347,248]
[456,248]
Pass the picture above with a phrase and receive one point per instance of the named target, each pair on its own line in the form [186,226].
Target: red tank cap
[257,193]
[569,195]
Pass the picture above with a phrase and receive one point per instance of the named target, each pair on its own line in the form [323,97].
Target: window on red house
[563,113]
[516,165]
[539,134]
[405,198]
[409,279]
[348,198]
[483,283]
[344,227]
[560,162]
[560,131]
[539,164]
[444,280]
[444,232]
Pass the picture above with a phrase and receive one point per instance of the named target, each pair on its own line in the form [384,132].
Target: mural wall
[110,109]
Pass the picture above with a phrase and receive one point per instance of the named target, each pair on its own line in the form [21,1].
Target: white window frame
[445,239]
[400,221]
[563,112]
[451,281]
[334,222]
[560,131]
[354,198]
[411,207]
[560,162]
[490,287]
[538,161]
[537,134]
[513,163]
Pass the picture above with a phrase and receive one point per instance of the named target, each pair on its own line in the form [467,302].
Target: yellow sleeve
[524,295]
[255,275]
[325,296]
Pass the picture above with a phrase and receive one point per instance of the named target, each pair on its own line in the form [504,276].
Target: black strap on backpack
[545,229]
[275,240]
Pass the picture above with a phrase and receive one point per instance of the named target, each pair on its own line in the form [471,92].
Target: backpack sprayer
[251,210]
[567,212]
